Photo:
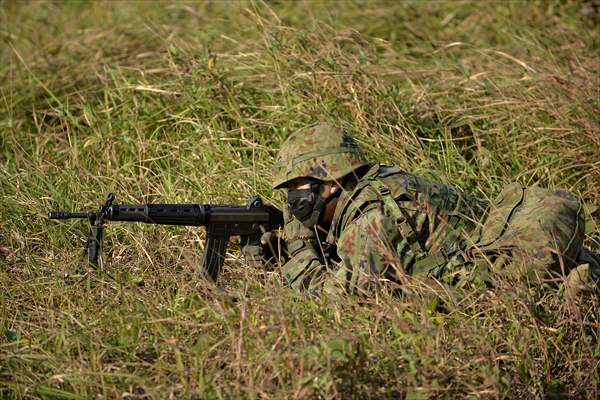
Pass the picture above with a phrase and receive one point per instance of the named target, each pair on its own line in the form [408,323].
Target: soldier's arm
[368,248]
[306,264]
[306,267]
[376,248]
[373,248]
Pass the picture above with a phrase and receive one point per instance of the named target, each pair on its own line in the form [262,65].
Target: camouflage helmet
[321,151]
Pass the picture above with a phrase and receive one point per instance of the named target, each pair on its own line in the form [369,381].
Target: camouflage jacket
[392,223]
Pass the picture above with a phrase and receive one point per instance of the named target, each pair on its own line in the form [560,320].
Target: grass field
[189,102]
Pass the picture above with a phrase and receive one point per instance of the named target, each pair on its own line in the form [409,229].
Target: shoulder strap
[433,264]
[372,191]
[390,205]
[353,203]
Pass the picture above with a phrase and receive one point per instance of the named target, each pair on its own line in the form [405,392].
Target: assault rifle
[221,221]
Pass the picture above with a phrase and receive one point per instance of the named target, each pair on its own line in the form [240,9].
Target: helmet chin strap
[318,209]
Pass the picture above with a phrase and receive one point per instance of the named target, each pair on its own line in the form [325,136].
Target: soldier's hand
[266,253]
[297,236]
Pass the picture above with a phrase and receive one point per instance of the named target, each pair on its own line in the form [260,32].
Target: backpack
[530,233]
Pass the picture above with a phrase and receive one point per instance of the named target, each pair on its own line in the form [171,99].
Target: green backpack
[530,233]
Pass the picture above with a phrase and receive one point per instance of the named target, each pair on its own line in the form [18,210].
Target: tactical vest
[452,215]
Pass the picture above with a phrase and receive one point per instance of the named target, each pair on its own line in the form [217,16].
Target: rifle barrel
[68,214]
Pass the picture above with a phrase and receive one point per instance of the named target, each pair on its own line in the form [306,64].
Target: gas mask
[307,205]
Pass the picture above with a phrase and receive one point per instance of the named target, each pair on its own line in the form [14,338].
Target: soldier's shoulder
[366,196]
[370,226]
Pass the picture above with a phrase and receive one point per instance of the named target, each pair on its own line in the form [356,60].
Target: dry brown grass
[189,102]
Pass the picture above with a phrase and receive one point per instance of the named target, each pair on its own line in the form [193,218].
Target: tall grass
[189,102]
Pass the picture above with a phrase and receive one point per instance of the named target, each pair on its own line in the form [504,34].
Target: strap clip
[384,190]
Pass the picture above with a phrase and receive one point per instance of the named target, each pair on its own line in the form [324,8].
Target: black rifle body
[221,221]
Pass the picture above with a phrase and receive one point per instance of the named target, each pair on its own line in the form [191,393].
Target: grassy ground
[189,102]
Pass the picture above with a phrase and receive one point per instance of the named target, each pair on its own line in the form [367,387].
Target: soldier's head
[314,164]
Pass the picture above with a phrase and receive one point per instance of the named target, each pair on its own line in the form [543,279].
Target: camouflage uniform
[392,223]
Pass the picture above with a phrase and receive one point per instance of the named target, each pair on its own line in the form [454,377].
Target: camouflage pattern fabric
[532,235]
[321,151]
[394,223]
[585,277]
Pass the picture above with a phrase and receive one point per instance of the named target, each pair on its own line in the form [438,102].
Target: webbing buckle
[384,190]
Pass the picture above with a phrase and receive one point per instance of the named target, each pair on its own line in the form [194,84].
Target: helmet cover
[320,151]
